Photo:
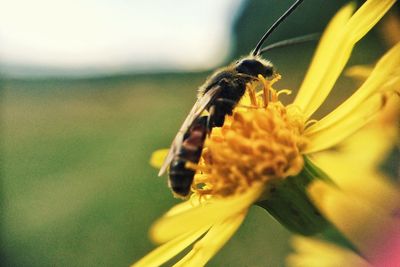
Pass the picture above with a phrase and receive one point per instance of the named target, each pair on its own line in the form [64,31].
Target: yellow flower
[364,205]
[312,252]
[265,142]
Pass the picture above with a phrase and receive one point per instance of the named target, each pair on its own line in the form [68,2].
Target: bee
[218,95]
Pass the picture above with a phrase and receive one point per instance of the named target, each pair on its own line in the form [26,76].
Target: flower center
[260,142]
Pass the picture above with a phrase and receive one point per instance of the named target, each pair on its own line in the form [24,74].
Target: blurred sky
[112,35]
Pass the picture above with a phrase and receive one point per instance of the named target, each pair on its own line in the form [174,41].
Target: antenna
[256,50]
[291,41]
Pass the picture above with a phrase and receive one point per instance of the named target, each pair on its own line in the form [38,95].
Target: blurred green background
[77,188]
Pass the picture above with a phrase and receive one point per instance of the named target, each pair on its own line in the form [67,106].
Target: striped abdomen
[180,177]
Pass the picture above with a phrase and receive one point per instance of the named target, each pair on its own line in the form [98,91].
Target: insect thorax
[237,74]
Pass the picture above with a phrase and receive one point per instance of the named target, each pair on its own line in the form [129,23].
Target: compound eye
[248,66]
[268,71]
[248,63]
[254,68]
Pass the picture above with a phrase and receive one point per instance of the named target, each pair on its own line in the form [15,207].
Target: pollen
[262,141]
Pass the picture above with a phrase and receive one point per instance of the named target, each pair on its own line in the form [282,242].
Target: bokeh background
[89,89]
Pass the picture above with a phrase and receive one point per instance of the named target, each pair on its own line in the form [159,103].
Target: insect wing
[200,105]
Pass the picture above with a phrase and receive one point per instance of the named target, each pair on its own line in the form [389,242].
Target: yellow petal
[352,151]
[322,57]
[355,161]
[334,134]
[385,68]
[390,116]
[182,207]
[348,174]
[369,146]
[310,252]
[167,251]
[367,16]
[364,225]
[359,72]
[211,212]
[358,25]
[212,242]
[157,158]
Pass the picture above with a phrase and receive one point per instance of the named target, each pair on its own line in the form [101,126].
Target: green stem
[287,201]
